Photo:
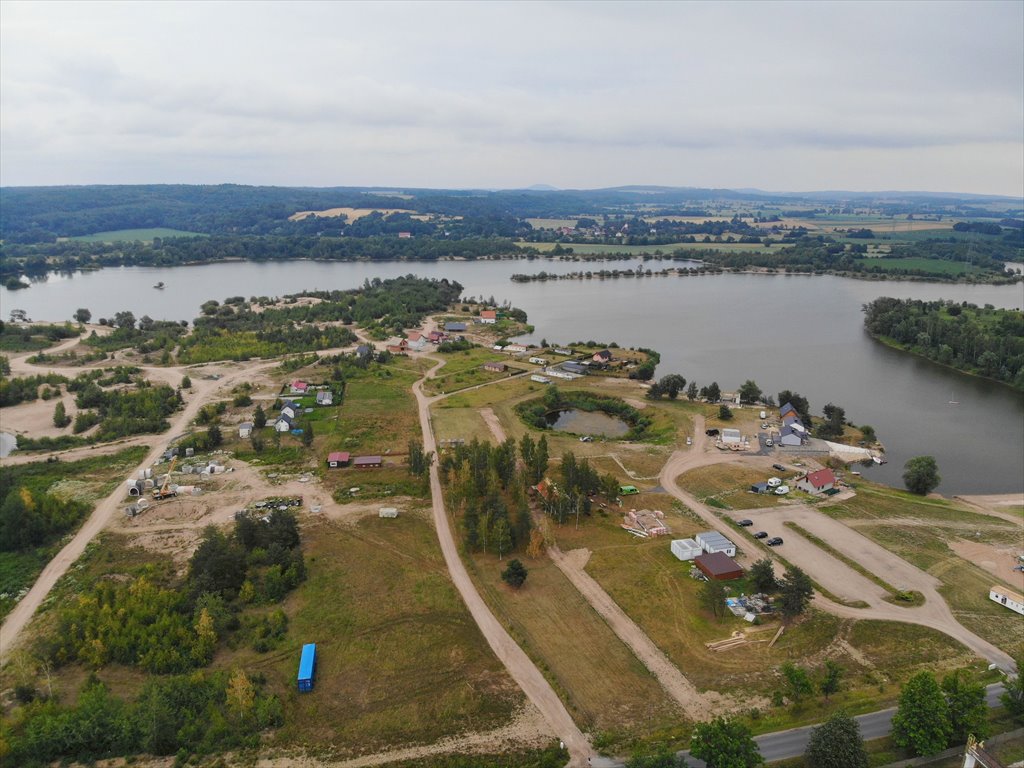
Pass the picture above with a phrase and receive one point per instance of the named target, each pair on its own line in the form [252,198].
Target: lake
[803,333]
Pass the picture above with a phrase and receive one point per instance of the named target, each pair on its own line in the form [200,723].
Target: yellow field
[353,213]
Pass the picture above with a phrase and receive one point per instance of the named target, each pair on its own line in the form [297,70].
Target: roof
[489,314]
[299,384]
[821,478]
[286,418]
[306,661]
[788,430]
[1017,597]
[414,335]
[574,368]
[728,432]
[786,408]
[339,456]
[363,349]
[361,460]
[714,539]
[603,353]
[245,424]
[455,326]
[717,564]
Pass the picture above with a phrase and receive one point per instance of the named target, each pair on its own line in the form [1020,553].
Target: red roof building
[718,566]
[299,387]
[361,462]
[338,459]
[817,482]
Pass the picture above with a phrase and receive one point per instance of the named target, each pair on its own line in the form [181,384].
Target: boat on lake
[159,285]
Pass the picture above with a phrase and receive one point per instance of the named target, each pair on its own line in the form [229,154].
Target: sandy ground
[998,561]
[36,418]
[493,424]
[536,687]
[528,729]
[991,504]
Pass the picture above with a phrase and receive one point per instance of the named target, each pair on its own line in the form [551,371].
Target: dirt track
[519,665]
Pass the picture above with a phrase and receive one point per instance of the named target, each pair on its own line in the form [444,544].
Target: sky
[778,96]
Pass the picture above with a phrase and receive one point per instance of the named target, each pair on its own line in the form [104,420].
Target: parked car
[744,523]
[774,542]
[779,467]
[761,535]
[764,426]
[782,490]
[711,432]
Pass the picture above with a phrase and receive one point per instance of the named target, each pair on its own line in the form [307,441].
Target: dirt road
[696,705]
[491,419]
[107,509]
[519,665]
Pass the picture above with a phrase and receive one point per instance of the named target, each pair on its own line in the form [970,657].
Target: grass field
[604,686]
[378,602]
[465,369]
[131,235]
[729,484]
[590,249]
[935,266]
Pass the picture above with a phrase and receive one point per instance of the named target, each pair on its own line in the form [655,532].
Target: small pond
[587,423]
[8,443]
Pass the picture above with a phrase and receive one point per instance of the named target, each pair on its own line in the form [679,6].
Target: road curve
[518,664]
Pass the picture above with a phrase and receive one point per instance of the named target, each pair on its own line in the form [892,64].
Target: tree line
[979,340]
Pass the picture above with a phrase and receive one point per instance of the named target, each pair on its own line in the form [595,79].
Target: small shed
[686,549]
[495,367]
[718,566]
[337,459]
[713,541]
[245,429]
[759,488]
[307,667]
[389,512]
[365,462]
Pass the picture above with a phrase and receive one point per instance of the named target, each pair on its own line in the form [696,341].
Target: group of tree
[669,386]
[793,592]
[23,389]
[931,717]
[122,412]
[195,713]
[535,412]
[980,340]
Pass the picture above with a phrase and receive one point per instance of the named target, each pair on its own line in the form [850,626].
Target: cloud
[323,93]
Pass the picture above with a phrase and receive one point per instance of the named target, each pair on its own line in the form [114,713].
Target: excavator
[164,491]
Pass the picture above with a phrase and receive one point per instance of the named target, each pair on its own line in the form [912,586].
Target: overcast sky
[791,96]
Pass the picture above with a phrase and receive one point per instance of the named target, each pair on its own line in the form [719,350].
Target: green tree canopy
[724,743]
[922,721]
[921,475]
[836,743]
[968,712]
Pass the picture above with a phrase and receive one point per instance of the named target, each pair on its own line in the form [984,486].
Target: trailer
[307,667]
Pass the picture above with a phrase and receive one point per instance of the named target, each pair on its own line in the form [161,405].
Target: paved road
[782,745]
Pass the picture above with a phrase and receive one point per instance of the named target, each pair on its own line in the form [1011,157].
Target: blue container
[307,667]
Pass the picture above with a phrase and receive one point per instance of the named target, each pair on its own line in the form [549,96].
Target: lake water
[802,333]
[587,423]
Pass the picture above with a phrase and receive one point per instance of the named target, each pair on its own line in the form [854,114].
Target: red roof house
[817,482]
[337,459]
[299,387]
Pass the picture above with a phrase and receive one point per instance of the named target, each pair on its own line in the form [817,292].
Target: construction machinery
[164,491]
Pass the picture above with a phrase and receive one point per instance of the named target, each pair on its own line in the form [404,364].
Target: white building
[540,379]
[388,512]
[713,541]
[1007,597]
[686,549]
[245,429]
[731,436]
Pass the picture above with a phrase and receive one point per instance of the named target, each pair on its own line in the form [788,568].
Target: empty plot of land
[351,213]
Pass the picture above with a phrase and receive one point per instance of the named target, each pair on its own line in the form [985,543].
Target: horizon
[841,96]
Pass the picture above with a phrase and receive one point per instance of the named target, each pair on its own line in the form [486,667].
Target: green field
[131,235]
[935,266]
[591,249]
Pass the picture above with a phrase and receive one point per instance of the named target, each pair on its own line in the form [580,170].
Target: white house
[416,341]
[713,541]
[325,397]
[790,436]
[817,482]
[731,436]
[284,423]
[245,429]
[686,549]
[299,387]
[291,410]
[1007,597]
[540,379]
